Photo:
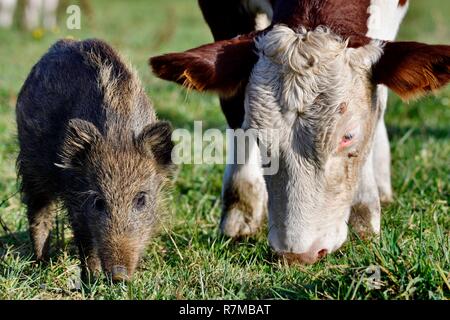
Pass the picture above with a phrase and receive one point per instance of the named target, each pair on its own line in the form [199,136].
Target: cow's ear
[412,69]
[222,66]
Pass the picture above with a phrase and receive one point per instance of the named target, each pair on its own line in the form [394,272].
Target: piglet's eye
[140,202]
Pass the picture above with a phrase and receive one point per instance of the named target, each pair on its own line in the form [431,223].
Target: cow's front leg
[382,153]
[365,217]
[244,195]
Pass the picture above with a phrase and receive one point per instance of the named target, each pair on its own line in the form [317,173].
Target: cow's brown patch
[412,69]
[223,66]
[401,3]
[346,18]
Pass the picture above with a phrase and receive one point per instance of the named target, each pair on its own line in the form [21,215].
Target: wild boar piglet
[90,139]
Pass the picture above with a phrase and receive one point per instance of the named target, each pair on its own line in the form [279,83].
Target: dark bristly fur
[89,138]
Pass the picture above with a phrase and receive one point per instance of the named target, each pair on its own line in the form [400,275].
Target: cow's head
[322,96]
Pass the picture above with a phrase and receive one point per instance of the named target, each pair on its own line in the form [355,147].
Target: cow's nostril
[119,273]
[322,253]
[302,258]
[309,257]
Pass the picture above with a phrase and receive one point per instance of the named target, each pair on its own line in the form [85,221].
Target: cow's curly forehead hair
[311,63]
[300,49]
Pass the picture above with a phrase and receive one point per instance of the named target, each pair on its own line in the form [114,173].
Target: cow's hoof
[385,194]
[244,208]
[365,220]
[236,223]
[386,199]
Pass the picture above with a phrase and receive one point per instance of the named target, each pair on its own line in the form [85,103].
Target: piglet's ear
[81,136]
[412,69]
[222,66]
[155,141]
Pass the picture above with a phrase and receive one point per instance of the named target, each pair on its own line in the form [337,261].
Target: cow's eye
[347,140]
[348,137]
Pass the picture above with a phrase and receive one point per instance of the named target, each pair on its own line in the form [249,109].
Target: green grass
[192,260]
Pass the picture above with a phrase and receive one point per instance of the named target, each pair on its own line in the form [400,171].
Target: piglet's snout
[119,273]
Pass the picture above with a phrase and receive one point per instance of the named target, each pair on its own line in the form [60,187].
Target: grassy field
[192,261]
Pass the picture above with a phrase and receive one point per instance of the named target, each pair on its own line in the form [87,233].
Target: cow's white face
[317,93]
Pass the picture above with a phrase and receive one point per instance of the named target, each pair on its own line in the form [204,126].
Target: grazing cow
[319,75]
